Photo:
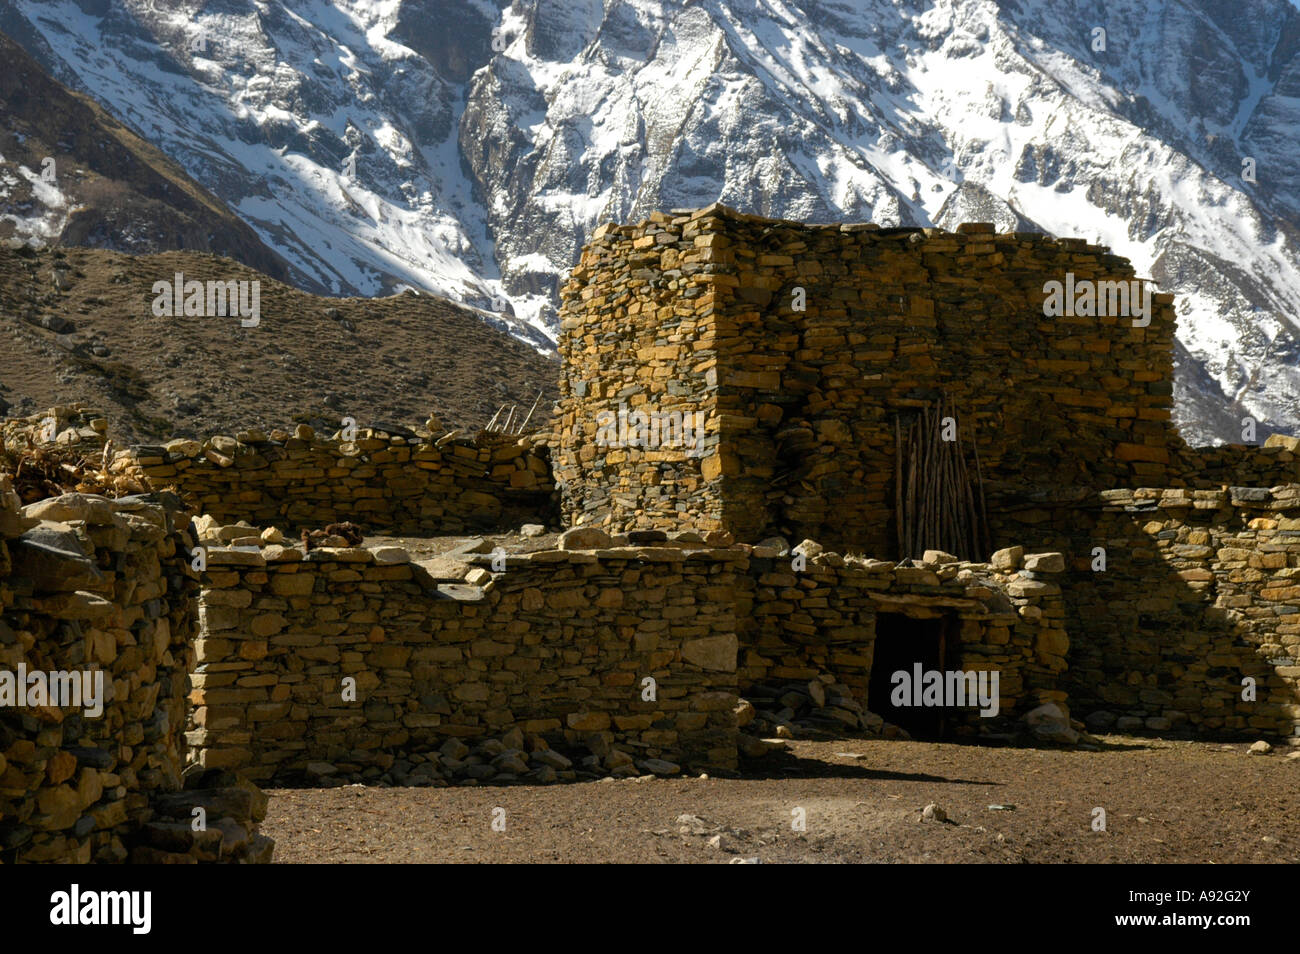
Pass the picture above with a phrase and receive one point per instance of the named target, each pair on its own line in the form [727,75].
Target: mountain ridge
[489,141]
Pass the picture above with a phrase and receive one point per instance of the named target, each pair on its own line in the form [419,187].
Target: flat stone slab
[231,556]
[340,555]
[461,592]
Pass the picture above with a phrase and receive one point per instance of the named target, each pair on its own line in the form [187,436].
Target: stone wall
[78,426]
[89,584]
[639,328]
[796,625]
[556,646]
[1200,589]
[1276,462]
[385,482]
[552,651]
[697,312]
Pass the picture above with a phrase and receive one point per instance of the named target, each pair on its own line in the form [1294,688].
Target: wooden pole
[530,412]
[898,484]
[932,465]
[983,508]
[914,489]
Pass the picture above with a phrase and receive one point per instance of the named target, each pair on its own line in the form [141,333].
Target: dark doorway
[901,643]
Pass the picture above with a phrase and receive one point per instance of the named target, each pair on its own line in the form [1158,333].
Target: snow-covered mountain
[468,149]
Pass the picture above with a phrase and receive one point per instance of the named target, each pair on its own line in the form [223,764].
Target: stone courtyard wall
[450,483]
[557,645]
[89,584]
[695,312]
[1200,589]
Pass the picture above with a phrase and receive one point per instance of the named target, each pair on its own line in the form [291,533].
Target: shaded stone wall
[385,483]
[697,311]
[795,625]
[1201,588]
[1276,462]
[91,584]
[557,646]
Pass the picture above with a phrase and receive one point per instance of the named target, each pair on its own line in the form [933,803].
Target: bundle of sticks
[937,505]
[512,424]
[41,470]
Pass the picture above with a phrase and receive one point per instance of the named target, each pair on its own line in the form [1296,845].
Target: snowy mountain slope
[481,166]
[335,142]
[931,114]
[70,174]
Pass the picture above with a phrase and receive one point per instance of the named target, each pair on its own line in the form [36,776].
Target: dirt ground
[861,801]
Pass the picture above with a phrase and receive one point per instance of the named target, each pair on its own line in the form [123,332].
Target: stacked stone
[93,584]
[698,310]
[230,809]
[75,425]
[638,333]
[796,708]
[1238,465]
[559,645]
[395,483]
[1201,590]
[88,583]
[821,621]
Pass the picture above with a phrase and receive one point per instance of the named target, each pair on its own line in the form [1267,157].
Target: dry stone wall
[700,312]
[1199,590]
[551,652]
[639,335]
[1276,462]
[101,590]
[798,624]
[394,483]
[77,426]
[556,646]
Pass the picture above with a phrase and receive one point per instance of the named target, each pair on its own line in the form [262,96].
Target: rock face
[481,148]
[124,194]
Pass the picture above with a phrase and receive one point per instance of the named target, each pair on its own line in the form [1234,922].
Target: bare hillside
[78,325]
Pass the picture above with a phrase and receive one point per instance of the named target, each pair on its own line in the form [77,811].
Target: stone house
[828,361]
